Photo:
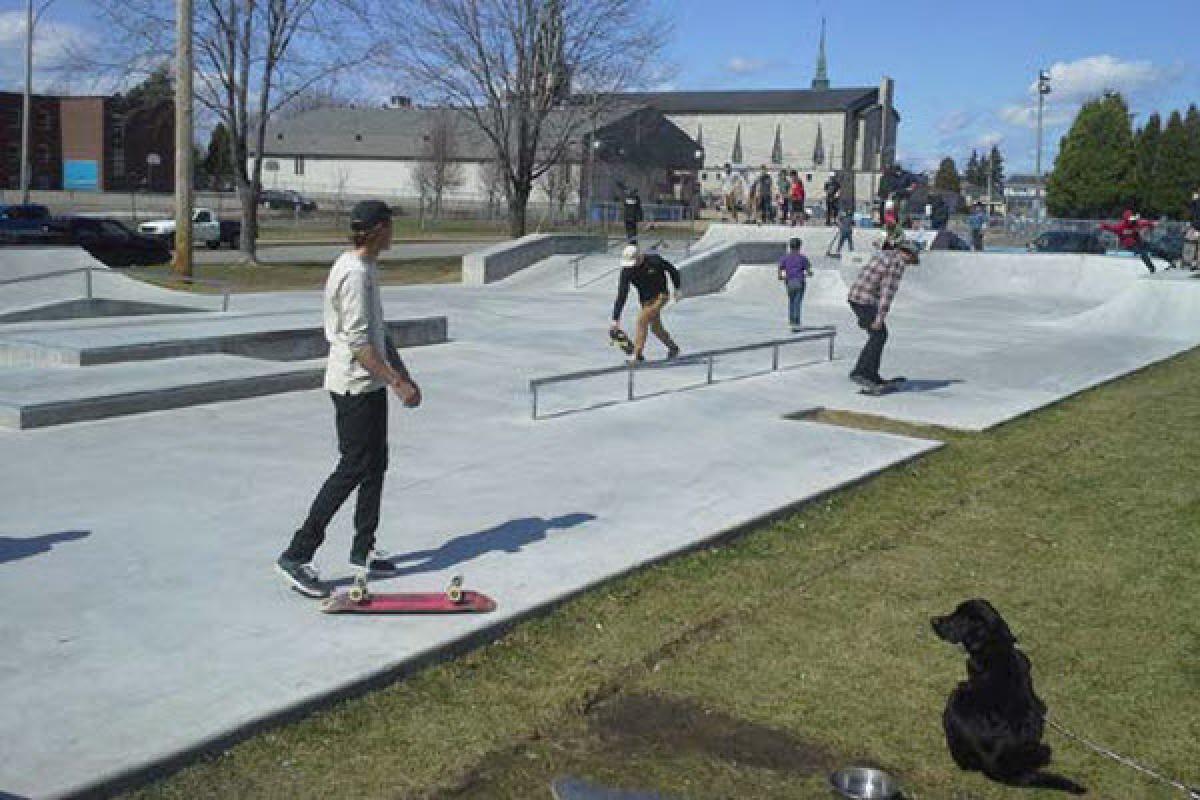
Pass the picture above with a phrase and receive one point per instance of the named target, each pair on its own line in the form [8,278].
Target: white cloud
[953,122]
[1074,82]
[745,66]
[52,44]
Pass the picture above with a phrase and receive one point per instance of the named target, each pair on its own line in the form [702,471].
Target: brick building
[89,144]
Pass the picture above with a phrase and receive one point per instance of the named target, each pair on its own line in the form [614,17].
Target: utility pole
[27,105]
[183,138]
[1039,193]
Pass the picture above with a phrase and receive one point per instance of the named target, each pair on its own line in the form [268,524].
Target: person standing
[1191,239]
[763,196]
[633,214]
[785,197]
[648,273]
[833,194]
[1129,235]
[870,299]
[732,189]
[844,235]
[799,214]
[794,270]
[363,364]
[977,222]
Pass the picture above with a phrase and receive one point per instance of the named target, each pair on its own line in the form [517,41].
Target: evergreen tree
[1093,175]
[1172,190]
[218,161]
[1191,122]
[1146,170]
[947,177]
[973,169]
[995,165]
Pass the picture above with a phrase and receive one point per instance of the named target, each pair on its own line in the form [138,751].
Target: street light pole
[183,138]
[27,104]
[1043,90]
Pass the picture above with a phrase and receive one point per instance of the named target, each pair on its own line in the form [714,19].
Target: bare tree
[511,66]
[438,171]
[559,183]
[253,58]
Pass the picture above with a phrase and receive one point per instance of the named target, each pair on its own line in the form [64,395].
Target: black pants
[1141,249]
[872,352]
[977,240]
[831,210]
[362,442]
[631,231]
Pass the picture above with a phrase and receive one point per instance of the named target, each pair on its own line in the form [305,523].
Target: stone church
[817,132]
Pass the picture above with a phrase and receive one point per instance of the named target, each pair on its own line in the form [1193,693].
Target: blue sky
[963,71]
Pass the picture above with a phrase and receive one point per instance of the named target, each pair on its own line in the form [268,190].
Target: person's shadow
[13,549]
[510,537]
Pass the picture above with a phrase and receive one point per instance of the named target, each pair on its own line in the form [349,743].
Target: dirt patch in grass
[644,721]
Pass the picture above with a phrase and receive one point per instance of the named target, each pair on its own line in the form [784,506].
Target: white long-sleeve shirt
[353,313]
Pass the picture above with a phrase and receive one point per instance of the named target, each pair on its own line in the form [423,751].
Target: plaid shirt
[879,281]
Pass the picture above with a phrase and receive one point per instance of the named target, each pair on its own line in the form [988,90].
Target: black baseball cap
[369,214]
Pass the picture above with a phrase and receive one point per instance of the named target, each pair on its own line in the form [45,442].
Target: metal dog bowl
[865,783]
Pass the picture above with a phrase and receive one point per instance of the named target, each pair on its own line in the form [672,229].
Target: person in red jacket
[1129,235]
[797,199]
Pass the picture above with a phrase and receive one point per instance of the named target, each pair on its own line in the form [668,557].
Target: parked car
[205,228]
[110,242]
[1068,242]
[231,233]
[23,217]
[285,200]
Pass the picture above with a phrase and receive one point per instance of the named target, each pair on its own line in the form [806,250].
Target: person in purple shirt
[794,269]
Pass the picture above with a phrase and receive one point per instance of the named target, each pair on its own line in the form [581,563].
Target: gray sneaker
[301,577]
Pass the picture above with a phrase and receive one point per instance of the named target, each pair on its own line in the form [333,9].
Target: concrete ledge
[288,344]
[501,260]
[46,414]
[709,271]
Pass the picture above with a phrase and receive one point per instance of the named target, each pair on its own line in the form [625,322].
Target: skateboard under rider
[358,599]
[886,387]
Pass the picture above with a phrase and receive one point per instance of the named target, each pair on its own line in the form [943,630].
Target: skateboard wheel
[455,591]
[358,594]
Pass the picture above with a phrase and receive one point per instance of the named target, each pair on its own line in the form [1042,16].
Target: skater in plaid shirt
[871,298]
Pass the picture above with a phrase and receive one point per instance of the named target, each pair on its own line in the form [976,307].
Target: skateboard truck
[359,593]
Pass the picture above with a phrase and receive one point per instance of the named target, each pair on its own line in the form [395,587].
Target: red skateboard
[455,600]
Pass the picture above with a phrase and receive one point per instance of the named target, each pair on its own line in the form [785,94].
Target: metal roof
[756,101]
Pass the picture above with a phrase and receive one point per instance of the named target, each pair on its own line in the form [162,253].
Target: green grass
[300,276]
[750,669]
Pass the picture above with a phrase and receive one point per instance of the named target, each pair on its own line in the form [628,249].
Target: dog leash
[1193,793]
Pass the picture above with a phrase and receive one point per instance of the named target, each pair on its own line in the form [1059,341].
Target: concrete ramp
[1162,307]
[67,282]
[761,281]
[952,275]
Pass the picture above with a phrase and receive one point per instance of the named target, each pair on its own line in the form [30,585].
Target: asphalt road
[306,254]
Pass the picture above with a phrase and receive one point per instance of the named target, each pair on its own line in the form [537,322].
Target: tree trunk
[249,239]
[517,205]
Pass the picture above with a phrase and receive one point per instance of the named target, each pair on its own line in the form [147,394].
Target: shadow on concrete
[911,385]
[10,796]
[511,537]
[13,549]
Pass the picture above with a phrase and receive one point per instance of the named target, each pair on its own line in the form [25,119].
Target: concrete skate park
[158,457]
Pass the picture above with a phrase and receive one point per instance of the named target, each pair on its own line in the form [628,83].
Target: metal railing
[616,244]
[88,290]
[704,357]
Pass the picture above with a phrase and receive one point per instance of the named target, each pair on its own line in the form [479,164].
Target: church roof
[761,101]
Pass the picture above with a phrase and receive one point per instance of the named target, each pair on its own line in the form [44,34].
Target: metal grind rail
[706,357]
[88,293]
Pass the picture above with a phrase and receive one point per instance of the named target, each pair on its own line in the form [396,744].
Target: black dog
[994,720]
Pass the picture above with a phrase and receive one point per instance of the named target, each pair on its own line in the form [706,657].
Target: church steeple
[821,81]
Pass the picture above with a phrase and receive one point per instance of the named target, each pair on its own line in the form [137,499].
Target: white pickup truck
[205,228]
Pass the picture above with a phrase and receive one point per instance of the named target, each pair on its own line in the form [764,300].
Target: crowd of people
[780,199]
